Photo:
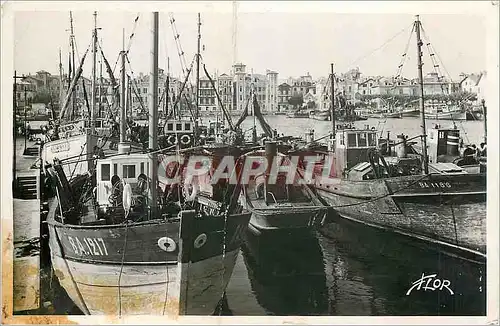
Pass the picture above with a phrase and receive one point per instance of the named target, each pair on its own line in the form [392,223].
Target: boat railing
[272,195]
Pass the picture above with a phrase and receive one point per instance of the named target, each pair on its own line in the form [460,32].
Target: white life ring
[127,197]
[172,139]
[190,195]
[167,244]
[200,241]
[185,139]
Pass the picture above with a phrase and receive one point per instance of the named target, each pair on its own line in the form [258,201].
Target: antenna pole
[421,83]
[153,117]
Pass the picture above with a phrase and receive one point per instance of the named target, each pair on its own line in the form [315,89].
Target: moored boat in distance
[443,111]
[320,115]
[298,114]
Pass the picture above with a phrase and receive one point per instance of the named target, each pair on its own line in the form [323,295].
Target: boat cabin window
[351,140]
[188,126]
[128,171]
[170,126]
[372,140]
[142,167]
[178,126]
[115,169]
[362,140]
[105,172]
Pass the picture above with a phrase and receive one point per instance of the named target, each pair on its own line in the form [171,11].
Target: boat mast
[60,76]
[421,83]
[197,78]
[483,103]
[123,95]
[153,117]
[100,86]
[167,95]
[72,43]
[333,100]
[93,96]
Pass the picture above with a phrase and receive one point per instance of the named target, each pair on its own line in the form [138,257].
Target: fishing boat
[438,203]
[320,115]
[138,233]
[409,112]
[442,111]
[298,114]
[279,205]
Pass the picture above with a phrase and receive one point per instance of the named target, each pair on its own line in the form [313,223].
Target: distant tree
[42,96]
[296,100]
[311,105]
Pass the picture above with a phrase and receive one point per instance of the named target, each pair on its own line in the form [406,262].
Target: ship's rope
[121,266]
[224,241]
[180,51]
[167,281]
[134,79]
[132,34]
[380,47]
[76,164]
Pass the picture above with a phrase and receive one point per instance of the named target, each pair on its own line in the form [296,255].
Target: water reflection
[286,273]
[369,273]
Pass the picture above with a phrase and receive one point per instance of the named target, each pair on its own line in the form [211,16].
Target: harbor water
[345,268]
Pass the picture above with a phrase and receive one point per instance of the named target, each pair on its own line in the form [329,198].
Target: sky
[291,43]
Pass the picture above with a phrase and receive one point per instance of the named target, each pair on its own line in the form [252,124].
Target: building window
[241,98]
[128,171]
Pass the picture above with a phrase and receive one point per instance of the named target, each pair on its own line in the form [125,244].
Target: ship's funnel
[401,146]
[452,142]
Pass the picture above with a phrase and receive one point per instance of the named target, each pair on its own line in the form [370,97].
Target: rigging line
[380,47]
[435,52]
[122,263]
[134,83]
[132,34]
[435,64]
[405,56]
[178,44]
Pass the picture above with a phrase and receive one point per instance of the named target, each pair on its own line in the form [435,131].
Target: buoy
[172,139]
[185,139]
[190,195]
[167,244]
[127,197]
[200,241]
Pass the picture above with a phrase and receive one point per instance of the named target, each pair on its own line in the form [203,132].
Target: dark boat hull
[449,211]
[263,220]
[131,269]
